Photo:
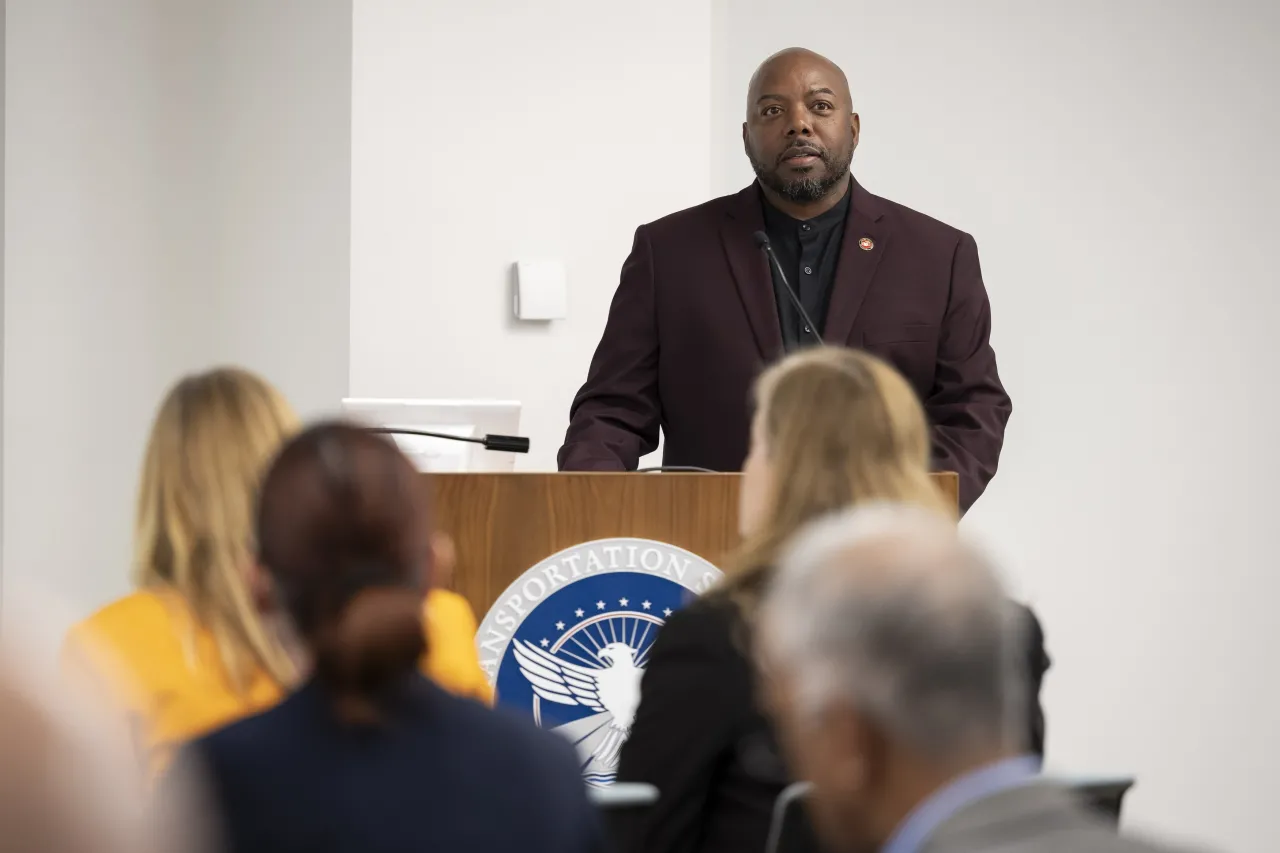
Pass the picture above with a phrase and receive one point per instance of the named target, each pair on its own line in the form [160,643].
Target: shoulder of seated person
[446,602]
[1026,620]
[138,639]
[497,727]
[248,731]
[137,616]
[1033,634]
[509,737]
[710,622]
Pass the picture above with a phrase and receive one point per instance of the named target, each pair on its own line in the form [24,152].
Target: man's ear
[444,556]
[874,747]
[850,741]
[855,125]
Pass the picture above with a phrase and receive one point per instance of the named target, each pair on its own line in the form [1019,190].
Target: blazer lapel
[750,270]
[865,239]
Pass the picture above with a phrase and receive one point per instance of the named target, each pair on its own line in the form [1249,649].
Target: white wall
[1116,163]
[177,195]
[487,132]
[83,277]
[277,108]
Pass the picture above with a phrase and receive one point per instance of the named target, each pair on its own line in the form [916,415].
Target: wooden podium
[505,523]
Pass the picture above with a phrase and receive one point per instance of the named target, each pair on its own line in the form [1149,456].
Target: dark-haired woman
[369,755]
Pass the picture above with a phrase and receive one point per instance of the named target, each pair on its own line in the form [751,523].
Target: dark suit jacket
[694,321]
[1036,663]
[443,774]
[700,737]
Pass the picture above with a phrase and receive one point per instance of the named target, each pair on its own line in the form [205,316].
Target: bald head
[800,131]
[887,610]
[792,61]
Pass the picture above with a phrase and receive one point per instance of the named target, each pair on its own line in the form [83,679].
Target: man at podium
[803,256]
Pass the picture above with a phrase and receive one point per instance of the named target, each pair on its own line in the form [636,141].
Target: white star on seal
[578,613]
[622,601]
[646,604]
[599,605]
[666,612]
[545,642]
[559,626]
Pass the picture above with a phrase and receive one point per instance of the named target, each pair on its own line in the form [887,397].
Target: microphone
[505,443]
[762,240]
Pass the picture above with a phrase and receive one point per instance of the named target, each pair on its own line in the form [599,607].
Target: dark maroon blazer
[694,321]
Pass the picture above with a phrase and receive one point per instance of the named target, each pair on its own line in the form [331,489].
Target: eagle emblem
[568,641]
[613,689]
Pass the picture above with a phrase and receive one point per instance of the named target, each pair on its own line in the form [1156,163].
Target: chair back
[1103,795]
[790,830]
[624,808]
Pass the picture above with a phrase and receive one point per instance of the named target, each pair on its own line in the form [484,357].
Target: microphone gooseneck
[762,240]
[504,443]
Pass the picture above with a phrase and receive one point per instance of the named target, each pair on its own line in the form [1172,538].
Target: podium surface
[504,523]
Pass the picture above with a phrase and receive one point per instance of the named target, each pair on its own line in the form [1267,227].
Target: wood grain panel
[949,483]
[505,523]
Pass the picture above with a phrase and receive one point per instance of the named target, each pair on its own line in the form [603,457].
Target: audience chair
[790,830]
[1103,794]
[623,807]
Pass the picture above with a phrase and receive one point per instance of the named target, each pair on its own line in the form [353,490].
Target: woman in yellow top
[191,649]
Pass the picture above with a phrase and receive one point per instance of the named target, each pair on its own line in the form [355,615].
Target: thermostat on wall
[541,292]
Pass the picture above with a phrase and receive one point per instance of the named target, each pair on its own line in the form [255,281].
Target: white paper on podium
[437,455]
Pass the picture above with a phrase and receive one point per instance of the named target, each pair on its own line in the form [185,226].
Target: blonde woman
[832,428]
[189,651]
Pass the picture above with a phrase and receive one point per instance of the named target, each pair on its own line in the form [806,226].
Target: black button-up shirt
[808,252]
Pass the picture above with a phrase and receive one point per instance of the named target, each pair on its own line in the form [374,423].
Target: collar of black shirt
[833,218]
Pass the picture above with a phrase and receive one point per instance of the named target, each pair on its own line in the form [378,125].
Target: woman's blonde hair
[211,442]
[839,427]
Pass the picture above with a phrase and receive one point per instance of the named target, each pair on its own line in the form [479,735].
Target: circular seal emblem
[866,244]
[567,642]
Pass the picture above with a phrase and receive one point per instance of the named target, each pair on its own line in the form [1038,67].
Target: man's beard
[805,188]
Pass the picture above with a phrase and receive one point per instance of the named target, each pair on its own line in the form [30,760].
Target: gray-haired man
[889,659]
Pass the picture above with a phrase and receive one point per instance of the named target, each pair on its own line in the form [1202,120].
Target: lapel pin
[866,244]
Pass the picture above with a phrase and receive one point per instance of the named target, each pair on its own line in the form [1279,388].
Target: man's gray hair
[886,608]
